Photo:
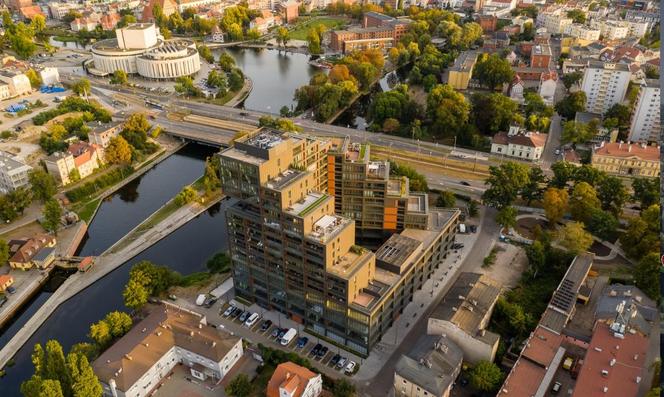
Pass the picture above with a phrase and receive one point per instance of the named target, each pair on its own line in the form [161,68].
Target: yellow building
[460,74]
[628,159]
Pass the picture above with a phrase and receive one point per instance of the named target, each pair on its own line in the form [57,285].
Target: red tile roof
[532,139]
[291,377]
[621,381]
[31,247]
[628,150]
[30,12]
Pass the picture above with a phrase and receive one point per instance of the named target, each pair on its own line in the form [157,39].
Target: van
[252,320]
[462,228]
[288,337]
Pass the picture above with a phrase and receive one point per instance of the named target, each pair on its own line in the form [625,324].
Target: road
[381,384]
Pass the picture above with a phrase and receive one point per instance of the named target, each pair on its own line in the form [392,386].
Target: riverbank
[104,264]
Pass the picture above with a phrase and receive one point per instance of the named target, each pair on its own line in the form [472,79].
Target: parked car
[473,229]
[316,348]
[244,316]
[342,361]
[282,332]
[322,352]
[302,342]
[556,388]
[457,246]
[335,359]
[11,290]
[229,311]
[464,183]
[350,368]
[172,297]
[209,302]
[288,337]
[275,332]
[266,325]
[236,312]
[252,320]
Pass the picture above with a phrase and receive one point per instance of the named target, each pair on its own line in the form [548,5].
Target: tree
[118,151]
[486,376]
[217,80]
[555,204]
[589,174]
[38,358]
[135,294]
[578,16]
[646,275]
[219,263]
[55,367]
[205,53]
[135,131]
[71,15]
[4,252]
[493,71]
[119,77]
[235,80]
[536,256]
[100,333]
[493,112]
[418,182]
[576,133]
[339,73]
[642,234]
[34,77]
[563,172]
[646,191]
[211,177]
[572,103]
[534,189]
[574,238]
[570,79]
[240,386]
[81,87]
[602,224]
[52,216]
[84,382]
[21,39]
[343,388]
[43,184]
[283,36]
[447,108]
[185,85]
[583,201]
[472,208]
[186,195]
[226,62]
[446,199]
[506,217]
[37,387]
[621,114]
[505,182]
[613,194]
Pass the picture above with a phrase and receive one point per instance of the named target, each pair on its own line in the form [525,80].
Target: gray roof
[397,249]
[433,363]
[43,254]
[620,67]
[614,295]
[9,162]
[97,127]
[564,297]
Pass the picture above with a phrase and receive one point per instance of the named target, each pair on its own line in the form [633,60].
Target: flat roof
[464,62]
[346,265]
[284,179]
[397,249]
[564,297]
[307,204]
[328,226]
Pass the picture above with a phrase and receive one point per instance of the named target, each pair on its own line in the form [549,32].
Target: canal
[275,75]
[185,250]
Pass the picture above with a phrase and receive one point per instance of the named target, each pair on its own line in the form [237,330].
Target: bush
[98,184]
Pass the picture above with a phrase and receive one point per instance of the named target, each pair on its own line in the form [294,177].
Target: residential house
[109,21]
[6,281]
[429,368]
[525,145]
[263,22]
[101,133]
[168,7]
[169,336]
[80,156]
[23,252]
[516,89]
[292,380]
[547,86]
[30,12]
[627,159]
[464,315]
[488,22]
[87,23]
[13,172]
[17,81]
[216,35]
[49,75]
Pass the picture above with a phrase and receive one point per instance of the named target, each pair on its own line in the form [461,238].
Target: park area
[331,23]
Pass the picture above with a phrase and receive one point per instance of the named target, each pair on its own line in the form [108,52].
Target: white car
[229,311]
[252,320]
[557,152]
[350,367]
[342,362]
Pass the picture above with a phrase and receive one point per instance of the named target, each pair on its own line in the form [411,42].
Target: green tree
[642,234]
[186,195]
[135,131]
[100,332]
[34,77]
[185,85]
[43,184]
[219,263]
[613,194]
[135,295]
[473,208]
[343,388]
[646,275]
[534,189]
[119,77]
[555,203]
[118,151]
[240,386]
[84,382]
[226,62]
[486,376]
[283,36]
[216,79]
[574,238]
[578,16]
[493,71]
[576,133]
[446,199]
[602,224]
[4,252]
[81,87]
[572,103]
[418,182]
[447,108]
[74,175]
[205,53]
[621,114]
[493,112]
[235,80]
[37,387]
[21,40]
[563,172]
[536,256]
[506,217]
[570,79]
[583,201]
[55,367]
[646,191]
[38,358]
[52,216]
[505,182]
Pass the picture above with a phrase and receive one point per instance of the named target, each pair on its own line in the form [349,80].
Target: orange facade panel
[389,225]
[390,211]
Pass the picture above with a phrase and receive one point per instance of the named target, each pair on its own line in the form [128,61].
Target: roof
[586,117]
[532,139]
[564,297]
[468,302]
[165,327]
[432,364]
[643,311]
[378,15]
[628,150]
[621,67]
[291,377]
[25,250]
[397,249]
[613,365]
[44,253]
[4,278]
[31,11]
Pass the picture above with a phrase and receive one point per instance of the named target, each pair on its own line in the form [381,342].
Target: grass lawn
[330,23]
[85,212]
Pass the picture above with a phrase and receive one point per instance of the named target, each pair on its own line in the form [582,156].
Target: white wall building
[646,125]
[612,29]
[555,22]
[524,145]
[583,32]
[49,75]
[134,365]
[605,84]
[18,82]
[59,10]
[13,172]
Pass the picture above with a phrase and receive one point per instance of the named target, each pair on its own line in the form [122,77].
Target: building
[584,33]
[464,314]
[23,252]
[49,75]
[18,82]
[16,5]
[61,166]
[646,125]
[6,281]
[547,86]
[555,22]
[101,133]
[168,7]
[488,23]
[216,35]
[460,74]
[109,21]
[628,159]
[612,29]
[59,10]
[291,10]
[82,23]
[32,11]
[81,158]
[137,363]
[13,172]
[138,48]
[378,31]
[605,84]
[540,56]
[4,91]
[517,143]
[516,89]
[429,368]
[292,380]
[291,252]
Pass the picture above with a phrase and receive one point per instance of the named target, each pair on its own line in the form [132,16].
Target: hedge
[94,186]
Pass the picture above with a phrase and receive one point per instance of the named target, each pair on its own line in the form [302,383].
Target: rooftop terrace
[282,180]
[327,227]
[308,204]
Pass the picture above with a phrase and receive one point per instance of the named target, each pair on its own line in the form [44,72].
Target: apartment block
[292,252]
[461,72]
[646,125]
[555,22]
[540,56]
[605,84]
[13,172]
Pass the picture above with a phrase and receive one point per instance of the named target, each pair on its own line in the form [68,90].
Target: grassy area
[330,23]
[65,39]
[86,211]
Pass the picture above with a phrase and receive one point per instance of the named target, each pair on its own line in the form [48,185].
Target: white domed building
[139,49]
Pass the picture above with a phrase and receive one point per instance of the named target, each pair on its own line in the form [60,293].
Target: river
[185,250]
[275,75]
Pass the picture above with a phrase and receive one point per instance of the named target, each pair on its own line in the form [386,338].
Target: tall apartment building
[555,22]
[646,126]
[291,252]
[605,84]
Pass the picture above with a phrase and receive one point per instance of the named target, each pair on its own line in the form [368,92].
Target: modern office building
[605,84]
[138,48]
[646,126]
[293,253]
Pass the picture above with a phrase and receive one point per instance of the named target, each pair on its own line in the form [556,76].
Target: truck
[200,300]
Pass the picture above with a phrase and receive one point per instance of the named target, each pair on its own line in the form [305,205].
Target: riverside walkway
[105,263]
